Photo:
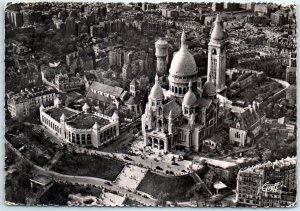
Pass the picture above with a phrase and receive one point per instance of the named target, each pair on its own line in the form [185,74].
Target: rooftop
[112,90]
[56,113]
[87,121]
[289,161]
[42,180]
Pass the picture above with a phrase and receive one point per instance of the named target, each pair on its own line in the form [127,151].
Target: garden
[167,188]
[86,165]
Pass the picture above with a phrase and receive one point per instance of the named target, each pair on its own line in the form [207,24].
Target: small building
[220,187]
[216,142]
[39,182]
[246,126]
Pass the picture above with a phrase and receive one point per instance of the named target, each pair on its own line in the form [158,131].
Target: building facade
[161,53]
[22,104]
[268,185]
[184,115]
[247,126]
[292,69]
[80,128]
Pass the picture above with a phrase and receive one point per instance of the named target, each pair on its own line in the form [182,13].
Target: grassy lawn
[167,188]
[85,165]
[58,193]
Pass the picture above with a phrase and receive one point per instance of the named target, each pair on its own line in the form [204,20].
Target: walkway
[130,177]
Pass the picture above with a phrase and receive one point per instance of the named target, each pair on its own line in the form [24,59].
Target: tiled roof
[174,106]
[248,118]
[94,96]
[204,103]
[111,90]
[131,101]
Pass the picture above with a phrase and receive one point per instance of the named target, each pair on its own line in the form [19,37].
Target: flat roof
[56,113]
[42,180]
[86,121]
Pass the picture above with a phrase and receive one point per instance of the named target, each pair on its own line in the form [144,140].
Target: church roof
[131,101]
[183,62]
[217,33]
[111,90]
[248,118]
[204,103]
[174,106]
[94,96]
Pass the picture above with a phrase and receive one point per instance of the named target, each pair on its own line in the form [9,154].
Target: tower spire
[183,39]
[190,86]
[217,33]
[156,79]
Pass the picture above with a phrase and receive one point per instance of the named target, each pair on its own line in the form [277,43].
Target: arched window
[149,141]
[237,135]
[213,51]
[160,111]
[175,89]
[83,137]
[180,90]
[77,137]
[88,137]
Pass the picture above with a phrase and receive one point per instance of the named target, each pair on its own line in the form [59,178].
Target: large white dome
[183,63]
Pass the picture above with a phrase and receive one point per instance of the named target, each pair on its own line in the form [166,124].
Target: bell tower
[216,65]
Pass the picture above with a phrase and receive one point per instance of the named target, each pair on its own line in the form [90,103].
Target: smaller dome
[209,89]
[85,107]
[63,117]
[96,126]
[190,98]
[156,92]
[115,116]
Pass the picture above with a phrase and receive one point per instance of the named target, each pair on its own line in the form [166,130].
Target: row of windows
[81,138]
[51,124]
[237,135]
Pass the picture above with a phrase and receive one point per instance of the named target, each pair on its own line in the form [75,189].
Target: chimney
[254,106]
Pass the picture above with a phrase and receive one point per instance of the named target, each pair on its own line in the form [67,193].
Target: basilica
[182,116]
